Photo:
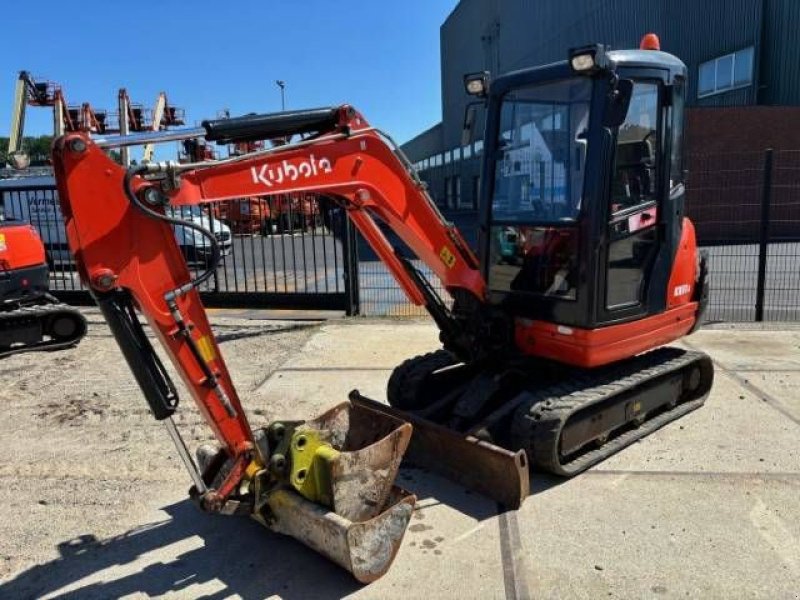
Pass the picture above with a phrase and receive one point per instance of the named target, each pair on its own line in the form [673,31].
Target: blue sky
[382,57]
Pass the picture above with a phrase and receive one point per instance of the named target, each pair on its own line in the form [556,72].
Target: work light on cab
[587,60]
[477,84]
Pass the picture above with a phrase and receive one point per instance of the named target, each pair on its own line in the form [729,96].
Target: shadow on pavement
[234,556]
[240,556]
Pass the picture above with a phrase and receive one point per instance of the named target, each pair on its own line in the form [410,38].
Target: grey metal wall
[504,35]
[780,67]
[425,144]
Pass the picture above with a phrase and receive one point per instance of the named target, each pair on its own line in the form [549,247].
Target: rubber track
[43,312]
[537,425]
[405,381]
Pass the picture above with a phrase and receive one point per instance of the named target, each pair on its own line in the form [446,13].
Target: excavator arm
[127,254]
[124,244]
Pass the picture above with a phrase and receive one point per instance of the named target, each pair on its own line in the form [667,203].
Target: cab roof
[648,59]
[634,59]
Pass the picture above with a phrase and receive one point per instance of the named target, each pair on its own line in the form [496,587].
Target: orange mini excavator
[553,350]
[30,318]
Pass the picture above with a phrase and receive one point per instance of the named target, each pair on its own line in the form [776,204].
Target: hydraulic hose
[215,251]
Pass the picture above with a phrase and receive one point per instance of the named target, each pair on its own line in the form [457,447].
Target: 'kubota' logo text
[285,171]
[681,290]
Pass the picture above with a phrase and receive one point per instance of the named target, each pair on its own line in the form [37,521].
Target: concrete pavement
[707,507]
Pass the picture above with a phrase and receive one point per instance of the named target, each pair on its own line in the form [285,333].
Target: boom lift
[134,118]
[164,116]
[27,92]
[553,359]
[30,318]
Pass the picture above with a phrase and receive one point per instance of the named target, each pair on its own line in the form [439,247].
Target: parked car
[35,200]
[195,246]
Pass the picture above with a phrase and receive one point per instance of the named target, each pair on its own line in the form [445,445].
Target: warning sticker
[448,258]
[206,347]
[3,246]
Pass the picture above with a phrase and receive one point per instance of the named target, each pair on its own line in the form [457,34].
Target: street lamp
[282,84]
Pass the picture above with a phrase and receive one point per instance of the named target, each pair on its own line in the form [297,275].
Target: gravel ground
[94,499]
[81,452]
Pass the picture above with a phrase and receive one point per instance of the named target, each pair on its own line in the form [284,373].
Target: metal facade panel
[780,67]
[502,35]
[426,144]
[701,30]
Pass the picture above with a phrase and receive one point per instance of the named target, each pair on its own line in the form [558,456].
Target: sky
[380,56]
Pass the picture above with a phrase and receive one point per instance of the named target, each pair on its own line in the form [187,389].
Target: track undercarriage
[39,323]
[564,419]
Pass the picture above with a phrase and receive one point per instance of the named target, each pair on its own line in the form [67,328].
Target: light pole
[282,84]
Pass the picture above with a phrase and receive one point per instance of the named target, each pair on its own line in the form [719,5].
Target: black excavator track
[569,427]
[565,419]
[39,324]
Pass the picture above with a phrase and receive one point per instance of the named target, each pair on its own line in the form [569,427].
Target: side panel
[680,289]
[589,348]
[20,247]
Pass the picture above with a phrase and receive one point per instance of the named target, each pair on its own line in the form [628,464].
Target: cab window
[635,178]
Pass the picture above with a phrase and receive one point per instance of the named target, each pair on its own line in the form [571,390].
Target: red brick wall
[725,157]
[742,129]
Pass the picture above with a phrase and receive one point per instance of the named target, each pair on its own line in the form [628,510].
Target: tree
[38,148]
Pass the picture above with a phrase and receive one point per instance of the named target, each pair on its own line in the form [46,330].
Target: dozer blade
[483,467]
[336,490]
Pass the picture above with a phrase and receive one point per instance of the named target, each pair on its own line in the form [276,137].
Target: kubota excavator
[553,359]
[31,318]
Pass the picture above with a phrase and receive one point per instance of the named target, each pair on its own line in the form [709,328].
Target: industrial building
[743,88]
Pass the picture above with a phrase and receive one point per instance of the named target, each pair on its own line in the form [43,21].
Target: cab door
[633,234]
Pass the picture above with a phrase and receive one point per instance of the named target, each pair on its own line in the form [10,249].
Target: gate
[291,251]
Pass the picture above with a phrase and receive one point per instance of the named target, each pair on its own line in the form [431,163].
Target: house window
[724,73]
[466,151]
[447,157]
[478,147]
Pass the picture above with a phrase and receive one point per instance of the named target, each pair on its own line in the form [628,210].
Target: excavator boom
[127,254]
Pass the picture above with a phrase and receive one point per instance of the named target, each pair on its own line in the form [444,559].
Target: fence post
[763,237]
[351,283]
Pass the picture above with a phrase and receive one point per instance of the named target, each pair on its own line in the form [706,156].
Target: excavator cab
[583,166]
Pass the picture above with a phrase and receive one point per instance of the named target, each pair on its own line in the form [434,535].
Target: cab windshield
[541,152]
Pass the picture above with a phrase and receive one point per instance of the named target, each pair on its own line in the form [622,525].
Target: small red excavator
[30,318]
[553,350]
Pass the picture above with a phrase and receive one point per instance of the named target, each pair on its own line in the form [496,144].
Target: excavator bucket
[337,492]
[365,548]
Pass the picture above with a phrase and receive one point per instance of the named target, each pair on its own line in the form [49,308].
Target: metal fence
[289,251]
[746,207]
[301,252]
